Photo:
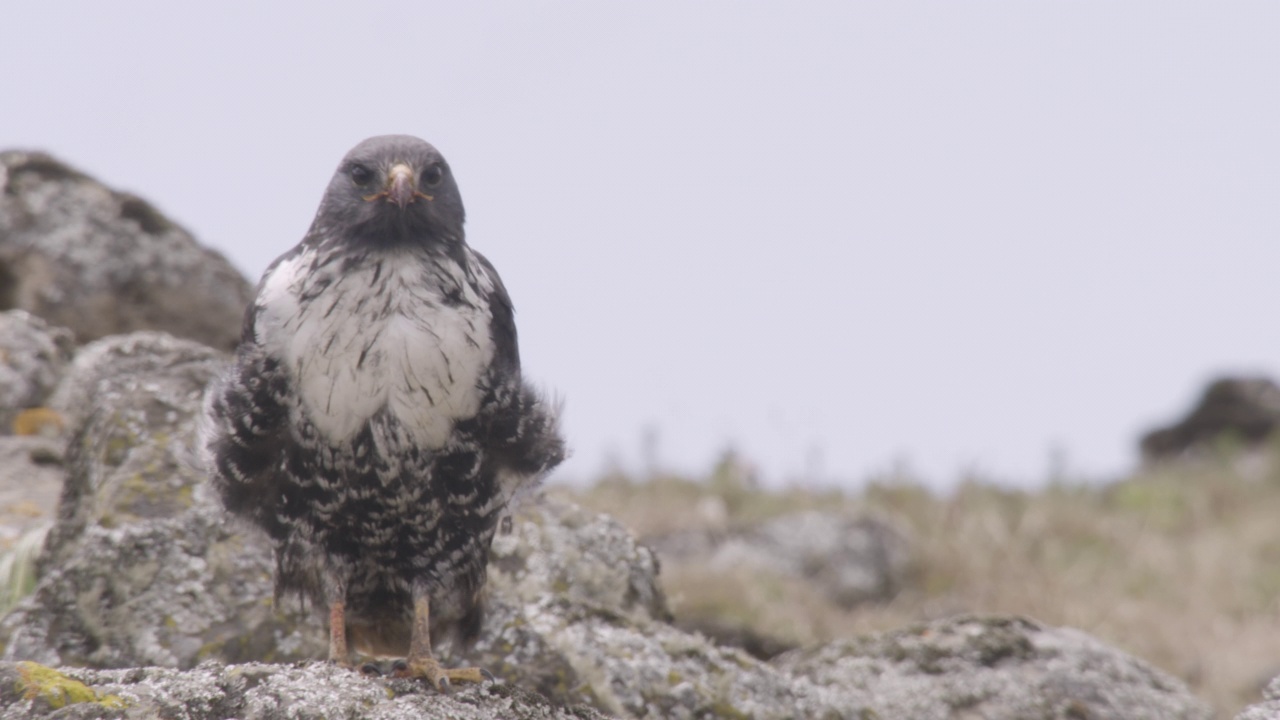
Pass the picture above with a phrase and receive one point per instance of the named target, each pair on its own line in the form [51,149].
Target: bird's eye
[432,176]
[360,174]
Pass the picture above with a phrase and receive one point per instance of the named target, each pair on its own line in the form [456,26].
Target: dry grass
[1179,566]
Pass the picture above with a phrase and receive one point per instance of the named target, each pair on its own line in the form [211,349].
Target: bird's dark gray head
[393,189]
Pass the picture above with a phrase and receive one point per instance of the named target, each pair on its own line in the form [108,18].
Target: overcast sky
[840,237]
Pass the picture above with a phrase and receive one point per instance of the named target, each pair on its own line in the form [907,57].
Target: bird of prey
[375,423]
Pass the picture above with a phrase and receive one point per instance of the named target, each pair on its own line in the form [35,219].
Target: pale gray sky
[837,236]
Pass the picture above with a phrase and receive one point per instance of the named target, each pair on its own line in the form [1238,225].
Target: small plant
[17,567]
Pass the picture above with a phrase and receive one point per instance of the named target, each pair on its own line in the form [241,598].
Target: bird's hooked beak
[401,187]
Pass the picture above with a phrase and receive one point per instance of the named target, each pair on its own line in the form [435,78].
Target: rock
[994,668]
[141,566]
[851,559]
[827,557]
[33,356]
[1269,708]
[132,401]
[1244,408]
[101,262]
[589,559]
[136,355]
[255,691]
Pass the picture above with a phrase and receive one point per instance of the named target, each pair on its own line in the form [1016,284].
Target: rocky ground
[144,600]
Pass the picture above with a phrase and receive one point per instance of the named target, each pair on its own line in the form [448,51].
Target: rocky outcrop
[101,262]
[144,569]
[255,691]
[1244,409]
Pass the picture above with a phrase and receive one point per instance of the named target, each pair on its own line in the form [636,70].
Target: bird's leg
[421,663]
[338,654]
[338,633]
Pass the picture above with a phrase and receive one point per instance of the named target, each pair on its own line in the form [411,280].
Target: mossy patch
[38,682]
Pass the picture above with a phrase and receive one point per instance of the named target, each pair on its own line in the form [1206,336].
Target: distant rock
[995,668]
[102,262]
[851,559]
[33,356]
[848,560]
[1246,409]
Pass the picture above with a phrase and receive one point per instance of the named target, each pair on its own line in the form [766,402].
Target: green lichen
[37,681]
[726,710]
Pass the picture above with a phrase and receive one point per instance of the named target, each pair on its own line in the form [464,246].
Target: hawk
[375,423]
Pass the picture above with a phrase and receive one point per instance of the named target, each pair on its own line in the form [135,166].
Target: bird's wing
[522,426]
[245,426]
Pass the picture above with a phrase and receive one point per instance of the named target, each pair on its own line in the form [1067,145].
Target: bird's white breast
[374,339]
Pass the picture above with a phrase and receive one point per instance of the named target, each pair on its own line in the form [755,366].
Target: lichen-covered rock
[135,356]
[101,262]
[133,401]
[588,559]
[33,356]
[158,592]
[141,566]
[994,668]
[639,669]
[213,691]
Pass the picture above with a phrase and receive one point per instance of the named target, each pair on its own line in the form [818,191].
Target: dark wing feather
[247,415]
[522,428]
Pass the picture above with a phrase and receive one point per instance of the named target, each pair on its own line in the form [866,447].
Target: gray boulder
[101,262]
[141,566]
[33,356]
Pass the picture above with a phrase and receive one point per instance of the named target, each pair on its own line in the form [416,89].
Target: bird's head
[393,189]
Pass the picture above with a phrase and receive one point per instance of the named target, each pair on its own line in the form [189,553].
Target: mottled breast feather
[396,333]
